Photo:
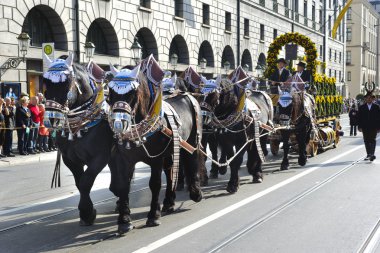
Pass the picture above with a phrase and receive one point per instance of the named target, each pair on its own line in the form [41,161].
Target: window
[145,3]
[349,14]
[330,54]
[313,12]
[330,72]
[320,51]
[349,76]
[178,8]
[348,57]
[296,6]
[246,27]
[286,5]
[206,14]
[38,27]
[329,23]
[305,9]
[335,56]
[340,57]
[340,76]
[97,36]
[348,33]
[228,21]
[262,32]
[274,33]
[335,74]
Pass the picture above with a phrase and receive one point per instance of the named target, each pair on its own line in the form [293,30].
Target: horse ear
[135,71]
[47,59]
[114,70]
[70,59]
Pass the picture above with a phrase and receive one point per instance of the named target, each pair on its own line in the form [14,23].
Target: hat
[369,94]
[282,60]
[301,64]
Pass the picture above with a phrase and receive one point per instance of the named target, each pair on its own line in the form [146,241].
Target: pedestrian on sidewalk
[369,124]
[43,132]
[353,114]
[2,127]
[23,124]
[9,116]
[35,120]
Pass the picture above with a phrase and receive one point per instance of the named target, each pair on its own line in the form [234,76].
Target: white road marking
[373,243]
[171,237]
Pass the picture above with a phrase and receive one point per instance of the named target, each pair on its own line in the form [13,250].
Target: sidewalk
[21,159]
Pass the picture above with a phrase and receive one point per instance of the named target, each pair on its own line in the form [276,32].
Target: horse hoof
[153,222]
[232,188]
[196,196]
[213,174]
[168,209]
[223,170]
[88,221]
[125,228]
[302,162]
[284,167]
[257,180]
[180,187]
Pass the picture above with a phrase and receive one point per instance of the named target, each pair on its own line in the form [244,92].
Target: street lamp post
[259,69]
[203,64]
[174,61]
[226,66]
[23,46]
[246,68]
[136,50]
[89,49]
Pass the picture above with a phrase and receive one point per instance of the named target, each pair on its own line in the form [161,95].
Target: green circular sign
[48,49]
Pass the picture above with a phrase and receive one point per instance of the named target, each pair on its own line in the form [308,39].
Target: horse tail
[56,180]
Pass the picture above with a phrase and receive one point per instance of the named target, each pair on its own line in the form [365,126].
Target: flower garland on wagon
[299,39]
[328,102]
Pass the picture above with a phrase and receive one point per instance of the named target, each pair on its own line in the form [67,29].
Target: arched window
[104,37]
[43,25]
[95,35]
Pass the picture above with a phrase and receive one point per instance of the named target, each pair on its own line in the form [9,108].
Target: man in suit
[280,76]
[23,124]
[369,124]
[304,74]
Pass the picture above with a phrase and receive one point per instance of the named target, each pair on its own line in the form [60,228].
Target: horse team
[166,122]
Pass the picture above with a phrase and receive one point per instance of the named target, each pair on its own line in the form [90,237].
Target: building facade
[362,46]
[239,32]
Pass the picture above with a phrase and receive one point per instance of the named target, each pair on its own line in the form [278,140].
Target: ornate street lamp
[23,46]
[89,49]
[174,60]
[246,68]
[203,64]
[136,50]
[226,66]
[259,69]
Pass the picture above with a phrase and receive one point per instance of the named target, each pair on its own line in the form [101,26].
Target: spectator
[2,126]
[41,98]
[353,114]
[9,116]
[43,132]
[23,124]
[35,117]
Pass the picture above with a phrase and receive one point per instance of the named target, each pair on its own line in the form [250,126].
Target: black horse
[237,119]
[73,111]
[207,94]
[145,133]
[296,113]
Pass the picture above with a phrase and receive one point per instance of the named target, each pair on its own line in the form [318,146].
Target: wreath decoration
[299,39]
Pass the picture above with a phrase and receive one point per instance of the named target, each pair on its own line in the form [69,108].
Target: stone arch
[148,43]
[43,25]
[247,59]
[179,47]
[104,37]
[228,55]
[262,60]
[205,51]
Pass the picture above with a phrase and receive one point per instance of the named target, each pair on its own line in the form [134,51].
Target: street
[330,205]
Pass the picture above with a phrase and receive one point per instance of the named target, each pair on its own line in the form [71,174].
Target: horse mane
[228,100]
[182,85]
[143,98]
[297,100]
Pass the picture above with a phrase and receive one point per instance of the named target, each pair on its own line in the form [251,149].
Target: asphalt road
[330,205]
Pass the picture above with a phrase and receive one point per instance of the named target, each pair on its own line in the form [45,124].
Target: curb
[19,160]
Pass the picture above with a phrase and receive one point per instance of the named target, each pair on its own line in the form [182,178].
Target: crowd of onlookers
[25,117]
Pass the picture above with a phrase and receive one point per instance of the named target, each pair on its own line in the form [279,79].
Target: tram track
[271,214]
[372,240]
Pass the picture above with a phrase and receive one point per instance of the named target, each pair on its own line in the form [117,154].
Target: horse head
[290,106]
[209,98]
[189,80]
[68,86]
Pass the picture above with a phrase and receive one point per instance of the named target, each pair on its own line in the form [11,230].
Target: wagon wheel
[274,146]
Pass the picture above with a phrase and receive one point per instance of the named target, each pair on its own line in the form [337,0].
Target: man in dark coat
[22,124]
[353,114]
[279,76]
[303,73]
[369,124]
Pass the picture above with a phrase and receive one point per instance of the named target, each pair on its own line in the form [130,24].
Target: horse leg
[155,187]
[203,170]
[263,143]
[213,145]
[254,164]
[301,136]
[225,153]
[75,168]
[192,162]
[285,141]
[169,201]
[233,184]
